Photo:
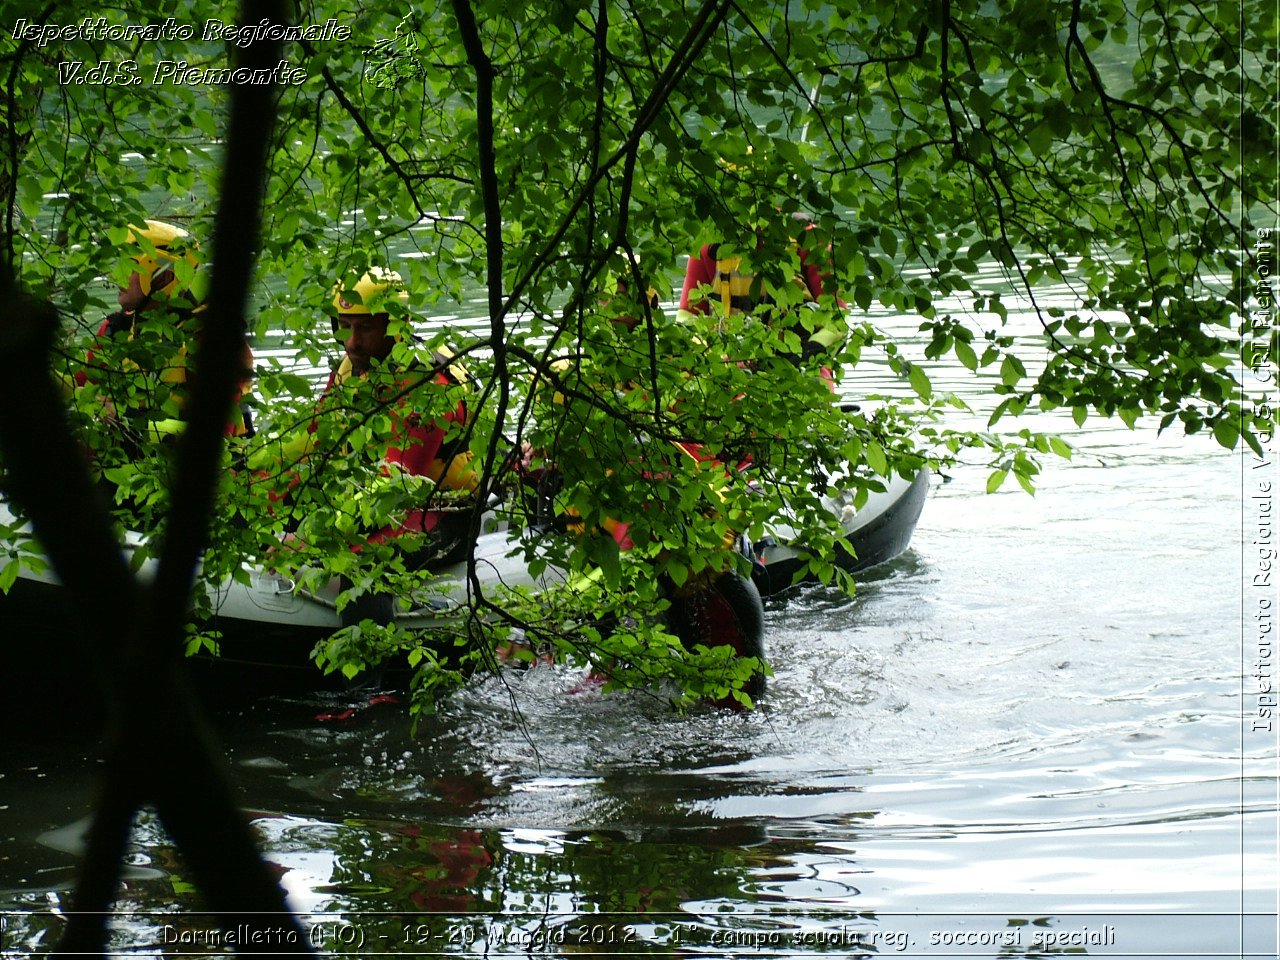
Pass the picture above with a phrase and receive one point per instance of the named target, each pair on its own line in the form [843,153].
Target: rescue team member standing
[149,334]
[419,446]
[715,284]
[724,287]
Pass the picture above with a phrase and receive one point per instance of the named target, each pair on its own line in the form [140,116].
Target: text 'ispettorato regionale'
[99,28]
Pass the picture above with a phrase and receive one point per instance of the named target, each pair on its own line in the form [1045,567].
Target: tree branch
[137,631]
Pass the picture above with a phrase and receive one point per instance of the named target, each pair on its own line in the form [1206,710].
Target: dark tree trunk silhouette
[160,751]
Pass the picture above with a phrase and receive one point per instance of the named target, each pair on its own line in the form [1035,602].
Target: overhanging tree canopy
[537,154]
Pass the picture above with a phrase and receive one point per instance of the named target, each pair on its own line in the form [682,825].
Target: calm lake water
[1029,736]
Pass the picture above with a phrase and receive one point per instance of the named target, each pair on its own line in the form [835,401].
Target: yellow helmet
[158,245]
[373,290]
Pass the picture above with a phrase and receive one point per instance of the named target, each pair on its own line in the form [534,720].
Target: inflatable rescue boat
[272,622]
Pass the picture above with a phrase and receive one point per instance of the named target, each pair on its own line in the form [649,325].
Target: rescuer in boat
[626,308]
[715,284]
[160,308]
[423,443]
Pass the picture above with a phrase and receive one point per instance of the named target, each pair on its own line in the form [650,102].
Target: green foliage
[1109,160]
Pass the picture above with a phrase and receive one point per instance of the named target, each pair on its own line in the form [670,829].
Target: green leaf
[1001,408]
[920,381]
[888,242]
[1011,370]
[8,575]
[876,459]
[1226,433]
[1040,139]
[677,571]
[1254,443]
[995,480]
